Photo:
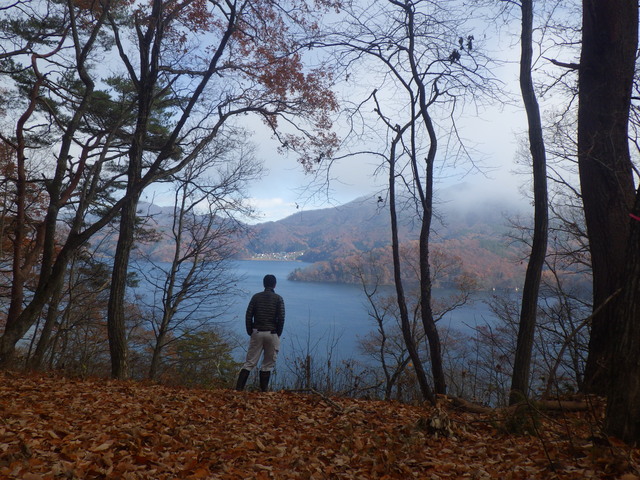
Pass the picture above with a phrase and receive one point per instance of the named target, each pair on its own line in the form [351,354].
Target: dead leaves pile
[59,428]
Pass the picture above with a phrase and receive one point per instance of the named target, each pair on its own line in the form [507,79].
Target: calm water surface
[324,314]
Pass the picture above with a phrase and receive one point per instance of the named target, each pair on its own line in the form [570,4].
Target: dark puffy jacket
[265,312]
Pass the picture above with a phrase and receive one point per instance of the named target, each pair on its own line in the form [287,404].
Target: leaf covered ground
[60,428]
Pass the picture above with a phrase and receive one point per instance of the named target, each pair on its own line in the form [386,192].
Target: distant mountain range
[470,227]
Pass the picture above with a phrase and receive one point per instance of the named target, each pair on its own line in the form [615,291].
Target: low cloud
[271,209]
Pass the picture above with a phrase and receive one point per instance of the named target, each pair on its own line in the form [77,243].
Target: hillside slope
[468,226]
[473,231]
[55,427]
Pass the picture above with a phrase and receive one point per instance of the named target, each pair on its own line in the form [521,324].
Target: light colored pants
[262,341]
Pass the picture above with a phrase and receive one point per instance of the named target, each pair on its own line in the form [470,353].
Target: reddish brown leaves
[60,428]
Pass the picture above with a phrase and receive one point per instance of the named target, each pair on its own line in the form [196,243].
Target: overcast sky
[493,135]
[285,188]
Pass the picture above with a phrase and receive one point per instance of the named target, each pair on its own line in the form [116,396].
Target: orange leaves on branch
[263,68]
[273,39]
[280,75]
[194,15]
[190,17]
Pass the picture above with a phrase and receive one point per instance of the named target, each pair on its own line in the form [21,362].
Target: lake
[325,314]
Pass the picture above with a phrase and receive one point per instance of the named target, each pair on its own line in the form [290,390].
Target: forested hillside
[332,239]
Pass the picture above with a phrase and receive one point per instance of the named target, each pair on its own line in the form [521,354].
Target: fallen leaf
[54,427]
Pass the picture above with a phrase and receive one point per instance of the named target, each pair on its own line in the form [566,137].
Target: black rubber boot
[264,381]
[242,379]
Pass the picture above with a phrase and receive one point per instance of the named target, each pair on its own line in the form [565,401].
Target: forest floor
[59,428]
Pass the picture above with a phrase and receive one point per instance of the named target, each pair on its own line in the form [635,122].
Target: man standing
[264,321]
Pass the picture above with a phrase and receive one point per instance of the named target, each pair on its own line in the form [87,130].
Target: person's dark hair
[269,281]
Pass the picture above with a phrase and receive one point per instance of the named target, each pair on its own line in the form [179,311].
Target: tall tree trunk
[426,312]
[168,302]
[19,319]
[19,266]
[529,307]
[149,50]
[623,397]
[116,321]
[16,330]
[607,63]
[163,329]
[425,198]
[37,361]
[407,331]
[156,356]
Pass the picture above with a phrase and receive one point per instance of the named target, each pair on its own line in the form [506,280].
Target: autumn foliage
[70,428]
